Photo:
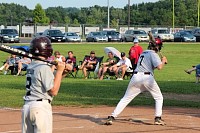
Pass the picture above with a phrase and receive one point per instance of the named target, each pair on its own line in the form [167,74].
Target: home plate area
[91,120]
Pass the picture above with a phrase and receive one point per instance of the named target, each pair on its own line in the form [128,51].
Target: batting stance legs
[141,82]
[37,117]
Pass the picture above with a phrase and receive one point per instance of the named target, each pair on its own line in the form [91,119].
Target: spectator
[134,53]
[104,66]
[197,69]
[70,63]
[23,64]
[11,61]
[59,57]
[89,63]
[122,66]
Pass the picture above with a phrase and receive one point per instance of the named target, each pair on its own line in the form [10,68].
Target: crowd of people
[117,66]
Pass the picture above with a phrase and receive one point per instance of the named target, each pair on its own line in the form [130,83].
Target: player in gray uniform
[41,86]
[143,80]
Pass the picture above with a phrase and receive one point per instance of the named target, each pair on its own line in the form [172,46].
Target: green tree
[75,21]
[39,15]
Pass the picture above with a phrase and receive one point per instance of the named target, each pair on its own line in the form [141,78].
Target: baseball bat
[15,51]
[152,39]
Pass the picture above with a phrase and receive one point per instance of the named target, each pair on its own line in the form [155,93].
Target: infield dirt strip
[90,120]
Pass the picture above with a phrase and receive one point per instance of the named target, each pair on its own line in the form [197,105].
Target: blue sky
[73,3]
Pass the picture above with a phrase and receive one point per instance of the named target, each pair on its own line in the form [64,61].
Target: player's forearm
[57,82]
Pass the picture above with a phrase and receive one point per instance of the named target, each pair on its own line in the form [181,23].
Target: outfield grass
[171,79]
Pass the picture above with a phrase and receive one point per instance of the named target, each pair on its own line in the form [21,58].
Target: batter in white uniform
[143,80]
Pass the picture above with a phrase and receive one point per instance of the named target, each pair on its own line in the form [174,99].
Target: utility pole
[198,2]
[129,14]
[173,15]
[108,15]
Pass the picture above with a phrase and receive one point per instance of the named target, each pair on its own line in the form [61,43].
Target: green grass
[79,92]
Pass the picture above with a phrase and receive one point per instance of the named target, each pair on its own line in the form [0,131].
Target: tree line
[157,13]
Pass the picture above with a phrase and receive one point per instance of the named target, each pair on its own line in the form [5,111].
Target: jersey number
[142,57]
[28,82]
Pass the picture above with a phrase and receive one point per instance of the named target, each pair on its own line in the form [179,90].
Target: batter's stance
[143,80]
[41,86]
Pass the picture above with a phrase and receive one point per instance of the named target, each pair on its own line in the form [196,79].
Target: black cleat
[109,121]
[159,121]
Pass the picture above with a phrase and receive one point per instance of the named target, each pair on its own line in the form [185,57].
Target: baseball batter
[143,80]
[41,86]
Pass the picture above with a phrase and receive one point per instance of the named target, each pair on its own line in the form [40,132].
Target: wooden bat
[15,51]
[152,39]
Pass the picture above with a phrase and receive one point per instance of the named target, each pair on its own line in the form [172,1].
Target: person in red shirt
[134,53]
[70,61]
[89,63]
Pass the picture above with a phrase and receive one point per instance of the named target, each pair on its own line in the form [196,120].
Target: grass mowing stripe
[172,79]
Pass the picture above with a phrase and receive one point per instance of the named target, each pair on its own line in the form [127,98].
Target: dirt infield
[90,120]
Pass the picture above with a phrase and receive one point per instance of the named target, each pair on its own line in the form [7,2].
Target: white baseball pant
[37,117]
[141,82]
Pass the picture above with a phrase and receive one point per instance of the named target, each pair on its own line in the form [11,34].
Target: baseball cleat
[159,121]
[109,121]
[188,72]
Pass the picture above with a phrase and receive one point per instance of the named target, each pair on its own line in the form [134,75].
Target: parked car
[163,33]
[184,36]
[54,35]
[72,37]
[9,35]
[96,37]
[196,33]
[38,34]
[130,35]
[112,36]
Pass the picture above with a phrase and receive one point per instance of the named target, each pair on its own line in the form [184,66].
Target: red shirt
[71,60]
[135,52]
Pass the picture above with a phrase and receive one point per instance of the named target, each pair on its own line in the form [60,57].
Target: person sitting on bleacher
[104,66]
[124,65]
[89,63]
[10,62]
[23,64]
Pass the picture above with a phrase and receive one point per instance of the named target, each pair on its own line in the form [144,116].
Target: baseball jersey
[71,60]
[127,62]
[148,61]
[135,52]
[39,80]
[90,59]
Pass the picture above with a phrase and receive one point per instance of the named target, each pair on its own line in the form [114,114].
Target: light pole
[108,15]
[173,15]
[198,2]
[128,14]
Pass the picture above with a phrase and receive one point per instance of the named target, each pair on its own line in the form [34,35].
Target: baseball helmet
[41,46]
[157,45]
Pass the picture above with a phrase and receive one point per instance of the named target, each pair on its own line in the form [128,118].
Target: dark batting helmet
[157,45]
[41,46]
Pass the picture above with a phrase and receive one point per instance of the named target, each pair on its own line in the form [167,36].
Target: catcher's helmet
[157,45]
[41,46]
